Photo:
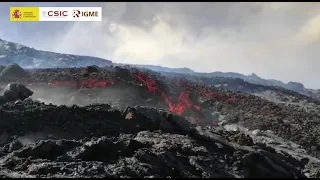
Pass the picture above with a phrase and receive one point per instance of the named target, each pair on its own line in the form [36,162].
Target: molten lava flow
[184,98]
[150,83]
[179,104]
[184,102]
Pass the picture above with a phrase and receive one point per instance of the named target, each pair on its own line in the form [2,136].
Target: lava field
[127,122]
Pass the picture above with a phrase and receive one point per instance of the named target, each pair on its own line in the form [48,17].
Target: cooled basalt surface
[118,122]
[98,141]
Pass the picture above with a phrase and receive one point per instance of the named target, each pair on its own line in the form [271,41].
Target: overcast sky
[274,40]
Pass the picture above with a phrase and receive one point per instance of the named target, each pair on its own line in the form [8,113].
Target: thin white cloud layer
[274,40]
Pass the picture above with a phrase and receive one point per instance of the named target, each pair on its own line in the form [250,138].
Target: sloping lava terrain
[145,126]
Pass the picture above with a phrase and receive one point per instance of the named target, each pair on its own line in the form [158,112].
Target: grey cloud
[274,40]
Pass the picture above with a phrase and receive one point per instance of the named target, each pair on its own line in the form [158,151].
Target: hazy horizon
[273,40]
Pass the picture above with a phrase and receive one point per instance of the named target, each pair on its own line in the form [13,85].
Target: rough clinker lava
[179,104]
[152,143]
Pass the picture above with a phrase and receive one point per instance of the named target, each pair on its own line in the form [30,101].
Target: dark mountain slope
[31,58]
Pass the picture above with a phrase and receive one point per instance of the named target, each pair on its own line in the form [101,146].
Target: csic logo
[16,14]
[78,13]
[55,13]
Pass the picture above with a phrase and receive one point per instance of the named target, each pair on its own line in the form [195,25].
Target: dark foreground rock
[98,141]
[105,140]
[14,91]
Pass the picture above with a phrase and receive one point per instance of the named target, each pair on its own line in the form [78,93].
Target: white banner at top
[70,14]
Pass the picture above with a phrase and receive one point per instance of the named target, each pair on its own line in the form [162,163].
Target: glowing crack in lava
[183,99]
[178,104]
[150,83]
[179,108]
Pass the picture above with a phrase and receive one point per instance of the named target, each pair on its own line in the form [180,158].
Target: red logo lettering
[57,13]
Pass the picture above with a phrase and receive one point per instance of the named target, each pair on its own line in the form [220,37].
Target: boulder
[15,91]
[15,71]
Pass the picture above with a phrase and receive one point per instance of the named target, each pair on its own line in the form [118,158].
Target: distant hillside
[253,78]
[31,58]
[166,69]
[26,57]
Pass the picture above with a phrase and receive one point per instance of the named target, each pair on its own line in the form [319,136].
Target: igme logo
[78,13]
